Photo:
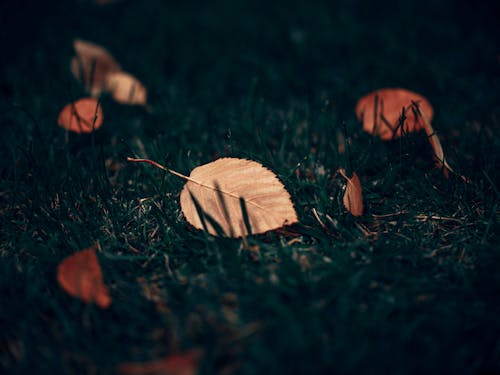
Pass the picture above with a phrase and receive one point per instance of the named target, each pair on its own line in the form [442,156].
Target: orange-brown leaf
[80,276]
[353,195]
[83,116]
[177,364]
[91,65]
[380,112]
[126,89]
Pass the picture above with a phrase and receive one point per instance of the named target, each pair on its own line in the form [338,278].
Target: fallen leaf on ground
[176,364]
[353,195]
[105,2]
[126,89]
[237,194]
[341,143]
[83,116]
[435,143]
[381,110]
[80,276]
[91,65]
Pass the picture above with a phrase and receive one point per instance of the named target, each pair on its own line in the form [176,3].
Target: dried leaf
[381,110]
[235,194]
[341,141]
[105,2]
[435,142]
[353,195]
[177,364]
[218,187]
[80,276]
[91,65]
[83,116]
[126,89]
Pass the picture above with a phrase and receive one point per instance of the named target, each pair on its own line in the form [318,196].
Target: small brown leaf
[341,141]
[83,116]
[80,276]
[91,65]
[353,195]
[380,112]
[177,364]
[126,89]
[105,2]
[236,194]
[436,144]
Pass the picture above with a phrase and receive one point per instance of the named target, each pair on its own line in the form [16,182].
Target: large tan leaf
[80,276]
[218,186]
[230,191]
[353,195]
[83,116]
[91,65]
[126,89]
[380,112]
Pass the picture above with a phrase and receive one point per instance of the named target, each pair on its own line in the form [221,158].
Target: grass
[410,287]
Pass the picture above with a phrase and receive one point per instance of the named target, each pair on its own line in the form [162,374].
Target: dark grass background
[274,82]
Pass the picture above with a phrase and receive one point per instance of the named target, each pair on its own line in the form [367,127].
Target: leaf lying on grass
[105,2]
[126,89]
[233,197]
[80,276]
[100,72]
[434,140]
[177,364]
[381,110]
[83,116]
[91,65]
[435,143]
[353,195]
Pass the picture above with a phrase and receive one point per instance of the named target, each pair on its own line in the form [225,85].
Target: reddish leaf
[83,116]
[380,112]
[353,196]
[80,276]
[177,364]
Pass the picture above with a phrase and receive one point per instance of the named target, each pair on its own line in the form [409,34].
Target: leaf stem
[158,165]
[214,188]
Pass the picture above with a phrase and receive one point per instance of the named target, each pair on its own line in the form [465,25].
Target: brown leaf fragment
[176,364]
[126,89]
[83,116]
[106,2]
[80,276]
[91,64]
[434,141]
[436,145]
[353,196]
